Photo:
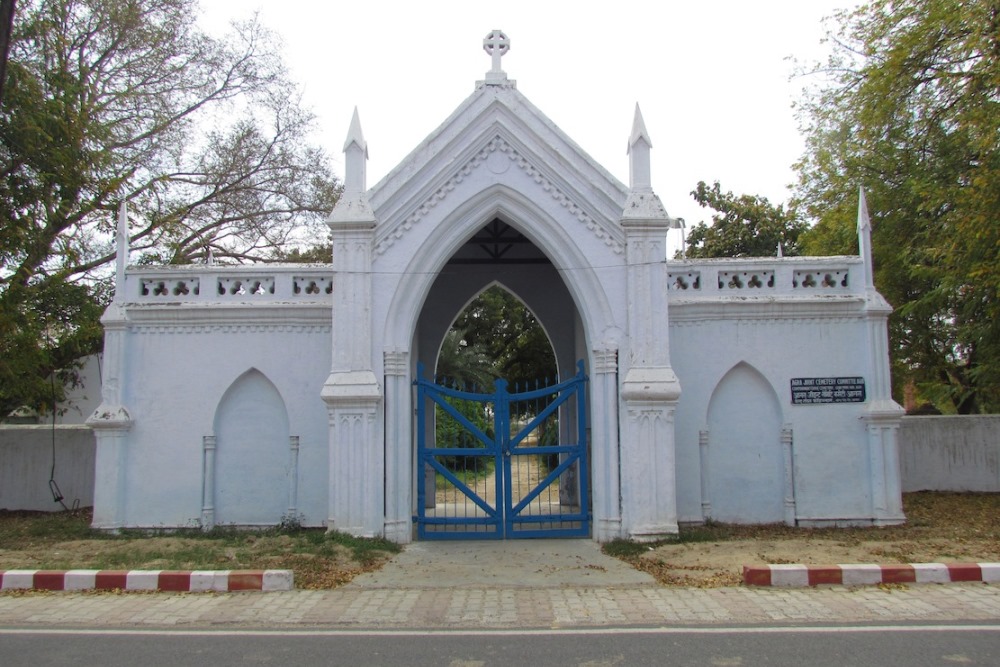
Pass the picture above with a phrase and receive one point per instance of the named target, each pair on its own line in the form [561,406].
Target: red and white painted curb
[147,580]
[791,576]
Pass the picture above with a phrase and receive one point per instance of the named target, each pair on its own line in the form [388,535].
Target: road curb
[797,576]
[148,580]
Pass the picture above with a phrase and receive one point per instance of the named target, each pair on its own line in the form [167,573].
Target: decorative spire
[355,156]
[353,206]
[642,205]
[638,152]
[497,44]
[865,239]
[121,258]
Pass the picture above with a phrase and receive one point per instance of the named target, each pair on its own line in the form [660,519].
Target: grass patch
[25,528]
[625,549]
[65,540]
[466,476]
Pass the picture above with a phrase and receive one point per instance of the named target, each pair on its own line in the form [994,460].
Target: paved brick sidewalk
[504,607]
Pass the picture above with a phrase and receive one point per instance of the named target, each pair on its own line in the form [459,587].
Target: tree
[499,323]
[127,100]
[463,365]
[908,107]
[744,226]
[496,336]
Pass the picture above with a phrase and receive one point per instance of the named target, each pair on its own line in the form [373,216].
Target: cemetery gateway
[688,389]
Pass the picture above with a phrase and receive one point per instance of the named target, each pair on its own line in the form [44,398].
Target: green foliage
[44,331]
[127,100]
[497,325]
[495,336]
[743,226]
[907,106]
[450,433]
[624,549]
[465,365]
[314,254]
[366,550]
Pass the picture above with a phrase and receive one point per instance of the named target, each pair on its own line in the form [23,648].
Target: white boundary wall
[950,453]
[26,464]
[941,453]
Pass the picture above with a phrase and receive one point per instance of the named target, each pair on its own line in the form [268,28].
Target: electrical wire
[57,495]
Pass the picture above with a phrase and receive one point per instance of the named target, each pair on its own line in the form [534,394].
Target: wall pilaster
[398,449]
[111,421]
[604,445]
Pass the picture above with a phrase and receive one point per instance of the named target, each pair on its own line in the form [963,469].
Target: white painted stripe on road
[478,632]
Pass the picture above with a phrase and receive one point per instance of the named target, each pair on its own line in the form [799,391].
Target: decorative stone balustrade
[765,277]
[304,283]
[311,283]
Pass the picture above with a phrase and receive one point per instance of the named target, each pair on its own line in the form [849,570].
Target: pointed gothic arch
[499,284]
[248,481]
[549,236]
[587,324]
[745,462]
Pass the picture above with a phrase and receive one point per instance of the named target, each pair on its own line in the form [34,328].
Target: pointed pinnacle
[864,222]
[639,129]
[354,135]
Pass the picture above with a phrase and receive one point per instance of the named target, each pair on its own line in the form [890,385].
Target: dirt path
[526,473]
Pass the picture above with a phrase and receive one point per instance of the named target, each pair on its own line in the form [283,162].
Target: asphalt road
[889,646]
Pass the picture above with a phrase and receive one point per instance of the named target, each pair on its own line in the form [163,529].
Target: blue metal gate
[502,464]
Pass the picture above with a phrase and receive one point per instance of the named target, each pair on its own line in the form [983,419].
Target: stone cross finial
[496,43]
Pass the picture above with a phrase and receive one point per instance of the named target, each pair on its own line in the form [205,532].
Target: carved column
[604,460]
[882,414]
[650,389]
[398,447]
[293,478]
[352,392]
[789,465]
[208,445]
[111,421]
[110,474]
[706,489]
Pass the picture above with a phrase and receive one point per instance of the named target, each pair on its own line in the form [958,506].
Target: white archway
[600,334]
[586,287]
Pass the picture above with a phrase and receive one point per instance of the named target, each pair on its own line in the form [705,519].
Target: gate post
[352,392]
[111,420]
[881,415]
[650,389]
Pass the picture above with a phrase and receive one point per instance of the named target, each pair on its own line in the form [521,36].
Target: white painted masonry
[245,395]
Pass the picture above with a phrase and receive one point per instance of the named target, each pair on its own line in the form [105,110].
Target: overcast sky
[711,77]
